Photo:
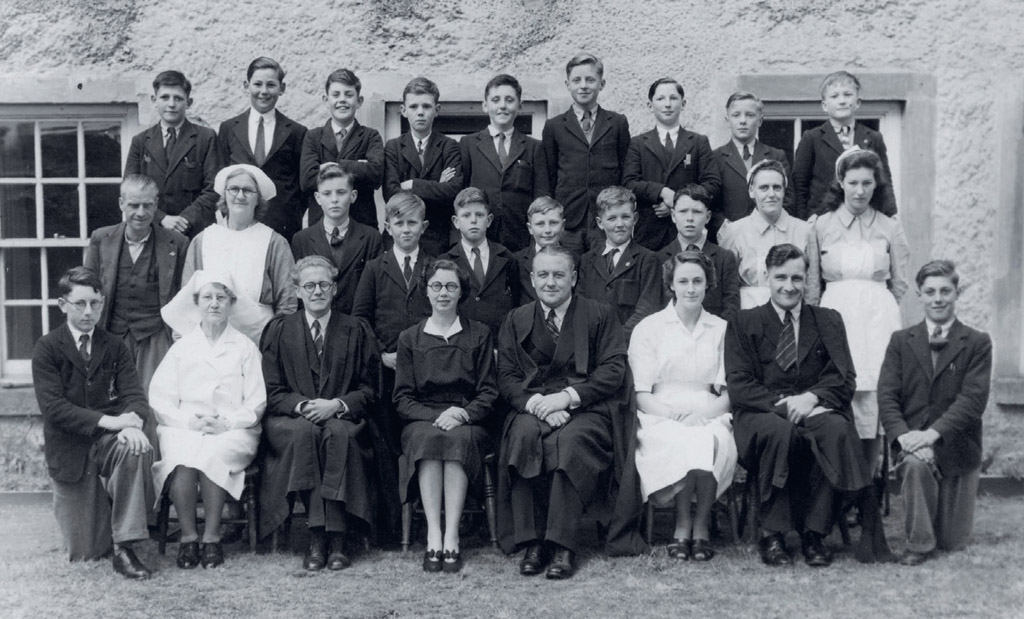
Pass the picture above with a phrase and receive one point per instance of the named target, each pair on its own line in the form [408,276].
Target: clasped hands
[446,175]
[129,431]
[664,208]
[451,417]
[209,423]
[801,407]
[919,443]
[552,408]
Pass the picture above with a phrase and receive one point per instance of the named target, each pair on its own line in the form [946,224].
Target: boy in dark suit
[93,410]
[510,167]
[621,273]
[425,162]
[344,141]
[814,166]
[932,392]
[545,221]
[183,158]
[493,271]
[264,137]
[664,159]
[348,244]
[585,149]
[690,214]
[744,112]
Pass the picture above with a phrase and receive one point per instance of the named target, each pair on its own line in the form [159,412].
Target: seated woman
[444,387]
[685,449]
[258,259]
[208,397]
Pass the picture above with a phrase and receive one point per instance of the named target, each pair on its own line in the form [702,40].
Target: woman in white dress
[258,259]
[864,260]
[208,397]
[685,449]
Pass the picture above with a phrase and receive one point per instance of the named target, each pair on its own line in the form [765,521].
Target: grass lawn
[986,580]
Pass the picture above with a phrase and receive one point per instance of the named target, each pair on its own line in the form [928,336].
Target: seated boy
[425,162]
[183,158]
[342,140]
[545,221]
[93,411]
[814,165]
[932,392]
[690,214]
[622,273]
[348,244]
[493,270]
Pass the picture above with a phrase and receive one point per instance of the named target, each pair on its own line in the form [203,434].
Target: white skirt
[221,457]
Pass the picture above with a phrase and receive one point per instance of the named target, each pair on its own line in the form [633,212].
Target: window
[60,167]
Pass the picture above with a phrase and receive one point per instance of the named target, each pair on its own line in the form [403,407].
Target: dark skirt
[465,444]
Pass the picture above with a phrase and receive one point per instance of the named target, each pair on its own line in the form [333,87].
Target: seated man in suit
[93,410]
[791,380]
[932,391]
[320,369]
[561,367]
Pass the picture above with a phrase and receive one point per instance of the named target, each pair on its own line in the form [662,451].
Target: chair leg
[885,477]
[162,518]
[649,525]
[734,518]
[753,503]
[251,517]
[490,501]
[406,525]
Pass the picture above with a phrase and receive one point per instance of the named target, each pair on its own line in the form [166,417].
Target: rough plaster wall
[967,46]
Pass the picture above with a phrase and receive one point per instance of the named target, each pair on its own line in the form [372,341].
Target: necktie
[747,159]
[407,271]
[502,149]
[339,139]
[610,257]
[587,123]
[478,266]
[692,247]
[420,150]
[261,144]
[785,351]
[552,326]
[83,347]
[318,340]
[668,143]
[172,140]
[935,341]
[336,237]
[845,136]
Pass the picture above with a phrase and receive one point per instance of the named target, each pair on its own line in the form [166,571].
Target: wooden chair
[249,503]
[731,505]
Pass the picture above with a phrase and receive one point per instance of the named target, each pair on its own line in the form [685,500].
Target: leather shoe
[534,560]
[702,550]
[188,555]
[562,565]
[773,550]
[816,553]
[128,565]
[452,561]
[432,561]
[316,555]
[213,554]
[337,559]
[911,558]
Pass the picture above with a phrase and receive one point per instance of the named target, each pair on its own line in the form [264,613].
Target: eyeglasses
[310,287]
[437,286]
[94,305]
[245,191]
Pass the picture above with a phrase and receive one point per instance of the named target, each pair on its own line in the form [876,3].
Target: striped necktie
[551,325]
[785,351]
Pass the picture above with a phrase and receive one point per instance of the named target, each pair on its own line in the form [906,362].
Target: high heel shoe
[452,561]
[432,561]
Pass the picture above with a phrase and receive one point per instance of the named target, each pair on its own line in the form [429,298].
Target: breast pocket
[520,176]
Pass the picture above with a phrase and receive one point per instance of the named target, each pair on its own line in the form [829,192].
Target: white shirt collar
[142,242]
[323,321]
[945,328]
[400,255]
[164,127]
[782,223]
[268,118]
[494,131]
[608,246]
[846,217]
[683,243]
[674,132]
[559,311]
[485,250]
[578,111]
[837,126]
[337,127]
[329,228]
[76,335]
[739,146]
[782,313]
[433,328]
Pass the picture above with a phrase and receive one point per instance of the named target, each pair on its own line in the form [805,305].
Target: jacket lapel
[334,338]
[110,254]
[957,342]
[516,148]
[657,149]
[353,241]
[485,144]
[573,126]
[734,159]
[100,341]
[394,270]
[809,333]
[186,143]
[155,153]
[353,140]
[602,124]
[408,148]
[282,127]
[494,269]
[683,145]
[70,350]
[771,326]
[919,344]
[830,137]
[166,257]
[432,151]
[241,133]
[327,142]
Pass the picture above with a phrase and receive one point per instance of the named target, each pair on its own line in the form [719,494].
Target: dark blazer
[284,212]
[402,163]
[500,292]
[580,170]
[948,398]
[724,299]
[634,288]
[185,177]
[524,258]
[363,156]
[104,252]
[814,165]
[734,201]
[73,398]
[383,300]
[648,170]
[362,244]
[511,189]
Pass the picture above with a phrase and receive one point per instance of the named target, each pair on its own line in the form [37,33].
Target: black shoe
[213,554]
[316,556]
[562,565]
[679,549]
[912,559]
[702,550]
[773,550]
[188,555]
[336,558]
[432,561]
[128,565]
[816,553]
[534,560]
[452,561]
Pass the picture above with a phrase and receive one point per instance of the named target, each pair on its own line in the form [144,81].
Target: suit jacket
[733,201]
[724,299]
[510,189]
[814,166]
[949,397]
[580,170]
[383,300]
[362,155]
[104,253]
[634,288]
[649,169]
[72,397]
[524,258]
[184,177]
[284,212]
[362,244]
[402,163]
[499,293]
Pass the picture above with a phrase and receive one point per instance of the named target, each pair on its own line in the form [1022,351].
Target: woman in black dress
[444,388]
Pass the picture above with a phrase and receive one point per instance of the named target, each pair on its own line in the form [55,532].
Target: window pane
[24,327]
[59,144]
[60,211]
[101,206]
[59,260]
[17,211]
[811,123]
[21,271]
[102,148]
[16,159]
[56,316]
[778,133]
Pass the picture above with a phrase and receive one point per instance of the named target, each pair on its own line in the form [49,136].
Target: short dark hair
[695,192]
[471,195]
[138,181]
[504,79]
[742,95]
[421,86]
[264,62]
[668,269]
[314,261]
[583,58]
[781,254]
[857,159]
[614,195]
[665,80]
[172,79]
[839,77]
[555,249]
[332,170]
[78,276]
[442,264]
[343,76]
[938,268]
[767,165]
[403,202]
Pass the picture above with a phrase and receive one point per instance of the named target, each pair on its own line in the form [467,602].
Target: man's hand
[320,410]
[175,222]
[116,423]
[798,407]
[557,419]
[447,175]
[407,185]
[135,439]
[925,454]
[451,417]
[216,424]
[552,403]
[389,359]
[915,440]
